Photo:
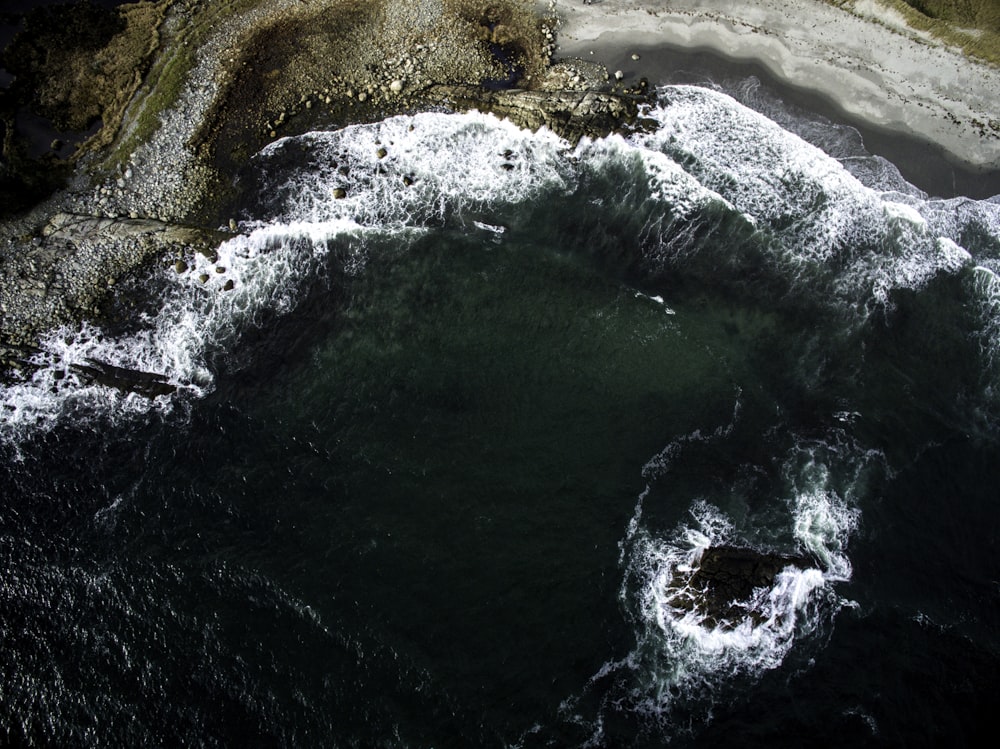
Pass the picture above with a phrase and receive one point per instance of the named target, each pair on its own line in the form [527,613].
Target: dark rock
[80,259]
[339,193]
[727,576]
[571,114]
[148,384]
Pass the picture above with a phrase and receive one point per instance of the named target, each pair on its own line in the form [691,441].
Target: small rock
[635,56]
[619,75]
[407,180]
[339,193]
[229,285]
[232,224]
[180,266]
[396,86]
[220,269]
[362,96]
[203,278]
[381,153]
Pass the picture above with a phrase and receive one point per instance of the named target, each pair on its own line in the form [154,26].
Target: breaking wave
[714,179]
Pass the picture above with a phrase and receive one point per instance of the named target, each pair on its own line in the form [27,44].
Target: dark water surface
[437,457]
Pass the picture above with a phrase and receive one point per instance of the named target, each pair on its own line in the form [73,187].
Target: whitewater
[823,259]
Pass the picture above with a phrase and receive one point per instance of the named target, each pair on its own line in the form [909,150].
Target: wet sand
[923,164]
[902,93]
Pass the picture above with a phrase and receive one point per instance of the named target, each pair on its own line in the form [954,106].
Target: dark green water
[427,505]
[441,475]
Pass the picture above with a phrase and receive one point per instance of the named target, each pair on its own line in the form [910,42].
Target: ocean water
[438,460]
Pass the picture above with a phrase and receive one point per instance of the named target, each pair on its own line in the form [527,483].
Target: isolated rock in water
[727,576]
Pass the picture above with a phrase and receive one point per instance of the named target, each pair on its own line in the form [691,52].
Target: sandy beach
[867,61]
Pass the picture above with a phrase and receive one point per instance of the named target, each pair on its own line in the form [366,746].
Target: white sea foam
[683,654]
[197,320]
[836,235]
[840,241]
[450,162]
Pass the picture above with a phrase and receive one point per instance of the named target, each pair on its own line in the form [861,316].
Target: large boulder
[726,577]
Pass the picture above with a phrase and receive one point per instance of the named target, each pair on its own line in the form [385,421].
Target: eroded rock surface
[727,577]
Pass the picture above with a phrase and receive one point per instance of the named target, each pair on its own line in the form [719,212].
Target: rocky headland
[179,94]
[165,100]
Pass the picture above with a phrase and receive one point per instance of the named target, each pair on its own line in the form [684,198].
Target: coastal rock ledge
[70,265]
[571,114]
[221,81]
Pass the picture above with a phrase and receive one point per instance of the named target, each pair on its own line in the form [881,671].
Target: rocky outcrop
[65,271]
[20,359]
[226,79]
[726,577]
[571,114]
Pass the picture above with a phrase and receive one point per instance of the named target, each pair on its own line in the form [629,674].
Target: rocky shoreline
[189,90]
[227,78]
